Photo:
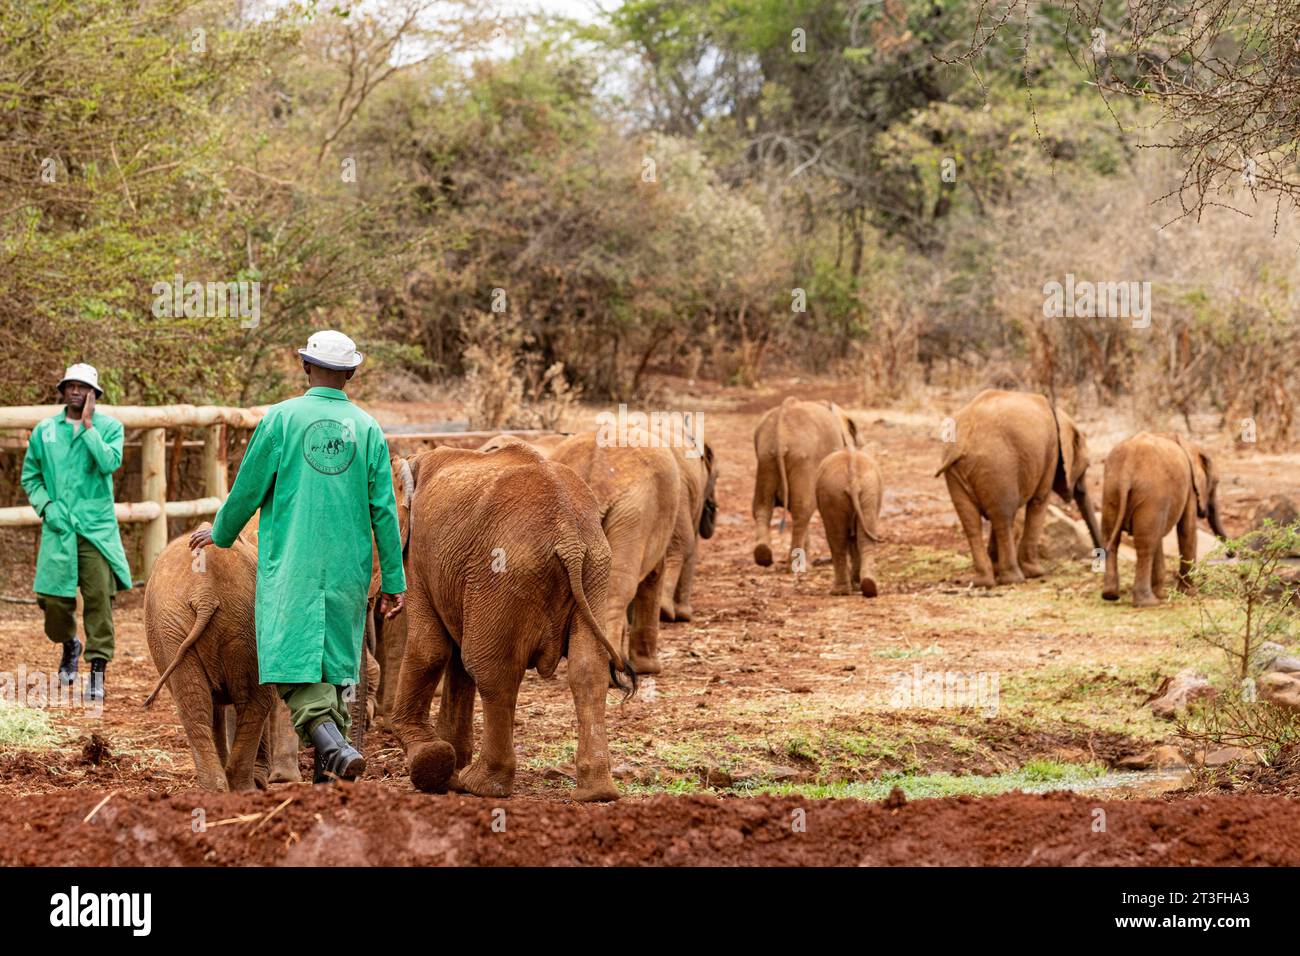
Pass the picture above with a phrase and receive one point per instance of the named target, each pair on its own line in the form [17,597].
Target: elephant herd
[521,553]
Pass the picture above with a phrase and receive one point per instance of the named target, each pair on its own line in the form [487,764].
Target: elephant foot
[841,589]
[478,780]
[683,612]
[666,614]
[1013,576]
[984,581]
[1032,570]
[597,794]
[1160,593]
[1145,600]
[431,765]
[213,783]
[1110,594]
[762,555]
[645,664]
[869,587]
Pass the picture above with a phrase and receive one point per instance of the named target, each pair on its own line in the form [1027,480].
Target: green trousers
[313,704]
[95,578]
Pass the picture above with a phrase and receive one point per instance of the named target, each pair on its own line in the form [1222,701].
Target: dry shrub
[505,385]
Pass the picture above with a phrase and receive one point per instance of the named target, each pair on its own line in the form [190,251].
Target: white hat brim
[306,357]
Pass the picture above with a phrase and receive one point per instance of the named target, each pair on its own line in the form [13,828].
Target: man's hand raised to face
[88,410]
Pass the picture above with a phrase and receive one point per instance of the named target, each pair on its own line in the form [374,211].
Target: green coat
[68,477]
[318,467]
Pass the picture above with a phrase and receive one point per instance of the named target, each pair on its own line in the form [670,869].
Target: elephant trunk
[1212,515]
[1089,516]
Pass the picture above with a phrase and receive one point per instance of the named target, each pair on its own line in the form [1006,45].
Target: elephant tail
[950,458]
[855,494]
[1121,515]
[203,614]
[571,558]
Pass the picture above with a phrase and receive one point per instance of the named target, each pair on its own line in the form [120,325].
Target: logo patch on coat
[329,446]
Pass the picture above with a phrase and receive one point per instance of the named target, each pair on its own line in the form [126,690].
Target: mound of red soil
[368,824]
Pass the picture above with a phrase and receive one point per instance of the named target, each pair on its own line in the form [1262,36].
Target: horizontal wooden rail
[143,416]
[135,512]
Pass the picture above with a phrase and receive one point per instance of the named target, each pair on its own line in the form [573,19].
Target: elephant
[543,443]
[507,561]
[1152,483]
[1011,451]
[697,513]
[849,490]
[198,614]
[638,494]
[790,442]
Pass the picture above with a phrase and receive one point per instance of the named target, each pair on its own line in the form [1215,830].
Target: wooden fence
[155,509]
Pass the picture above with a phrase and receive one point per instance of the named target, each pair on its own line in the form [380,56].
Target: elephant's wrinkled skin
[1152,483]
[198,618]
[638,493]
[790,442]
[849,489]
[507,562]
[1012,450]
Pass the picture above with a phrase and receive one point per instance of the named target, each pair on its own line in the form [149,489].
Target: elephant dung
[1281,688]
[1177,693]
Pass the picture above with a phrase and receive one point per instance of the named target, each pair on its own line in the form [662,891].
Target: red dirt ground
[763,649]
[368,824]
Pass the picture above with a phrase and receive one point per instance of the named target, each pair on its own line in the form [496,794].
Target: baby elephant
[848,497]
[1152,483]
[198,618]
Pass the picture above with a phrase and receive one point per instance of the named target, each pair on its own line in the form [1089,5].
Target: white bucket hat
[330,349]
[85,374]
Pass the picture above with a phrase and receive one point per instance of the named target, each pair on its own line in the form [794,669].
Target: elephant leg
[588,682]
[250,718]
[1146,545]
[1110,517]
[764,496]
[1158,572]
[284,744]
[1007,569]
[1035,517]
[673,564]
[197,711]
[624,536]
[429,759]
[682,597]
[802,507]
[864,565]
[1186,547]
[223,730]
[492,774]
[969,516]
[265,748]
[456,714]
[643,646]
[841,556]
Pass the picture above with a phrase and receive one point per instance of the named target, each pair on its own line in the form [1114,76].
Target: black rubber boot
[95,682]
[335,757]
[71,657]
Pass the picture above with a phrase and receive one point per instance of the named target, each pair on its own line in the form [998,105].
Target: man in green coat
[68,478]
[318,468]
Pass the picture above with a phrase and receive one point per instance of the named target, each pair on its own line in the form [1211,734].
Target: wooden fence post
[214,462]
[153,482]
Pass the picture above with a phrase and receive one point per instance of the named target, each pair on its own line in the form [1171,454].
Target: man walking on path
[68,478]
[318,468]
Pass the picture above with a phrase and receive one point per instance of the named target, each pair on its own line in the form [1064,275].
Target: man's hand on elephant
[390,605]
[200,539]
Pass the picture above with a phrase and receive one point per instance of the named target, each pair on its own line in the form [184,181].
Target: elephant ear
[1202,468]
[1073,461]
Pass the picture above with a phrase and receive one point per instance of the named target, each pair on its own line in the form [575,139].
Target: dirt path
[374,825]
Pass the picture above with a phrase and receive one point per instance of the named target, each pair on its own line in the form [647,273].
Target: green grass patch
[26,728]
[1037,775]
